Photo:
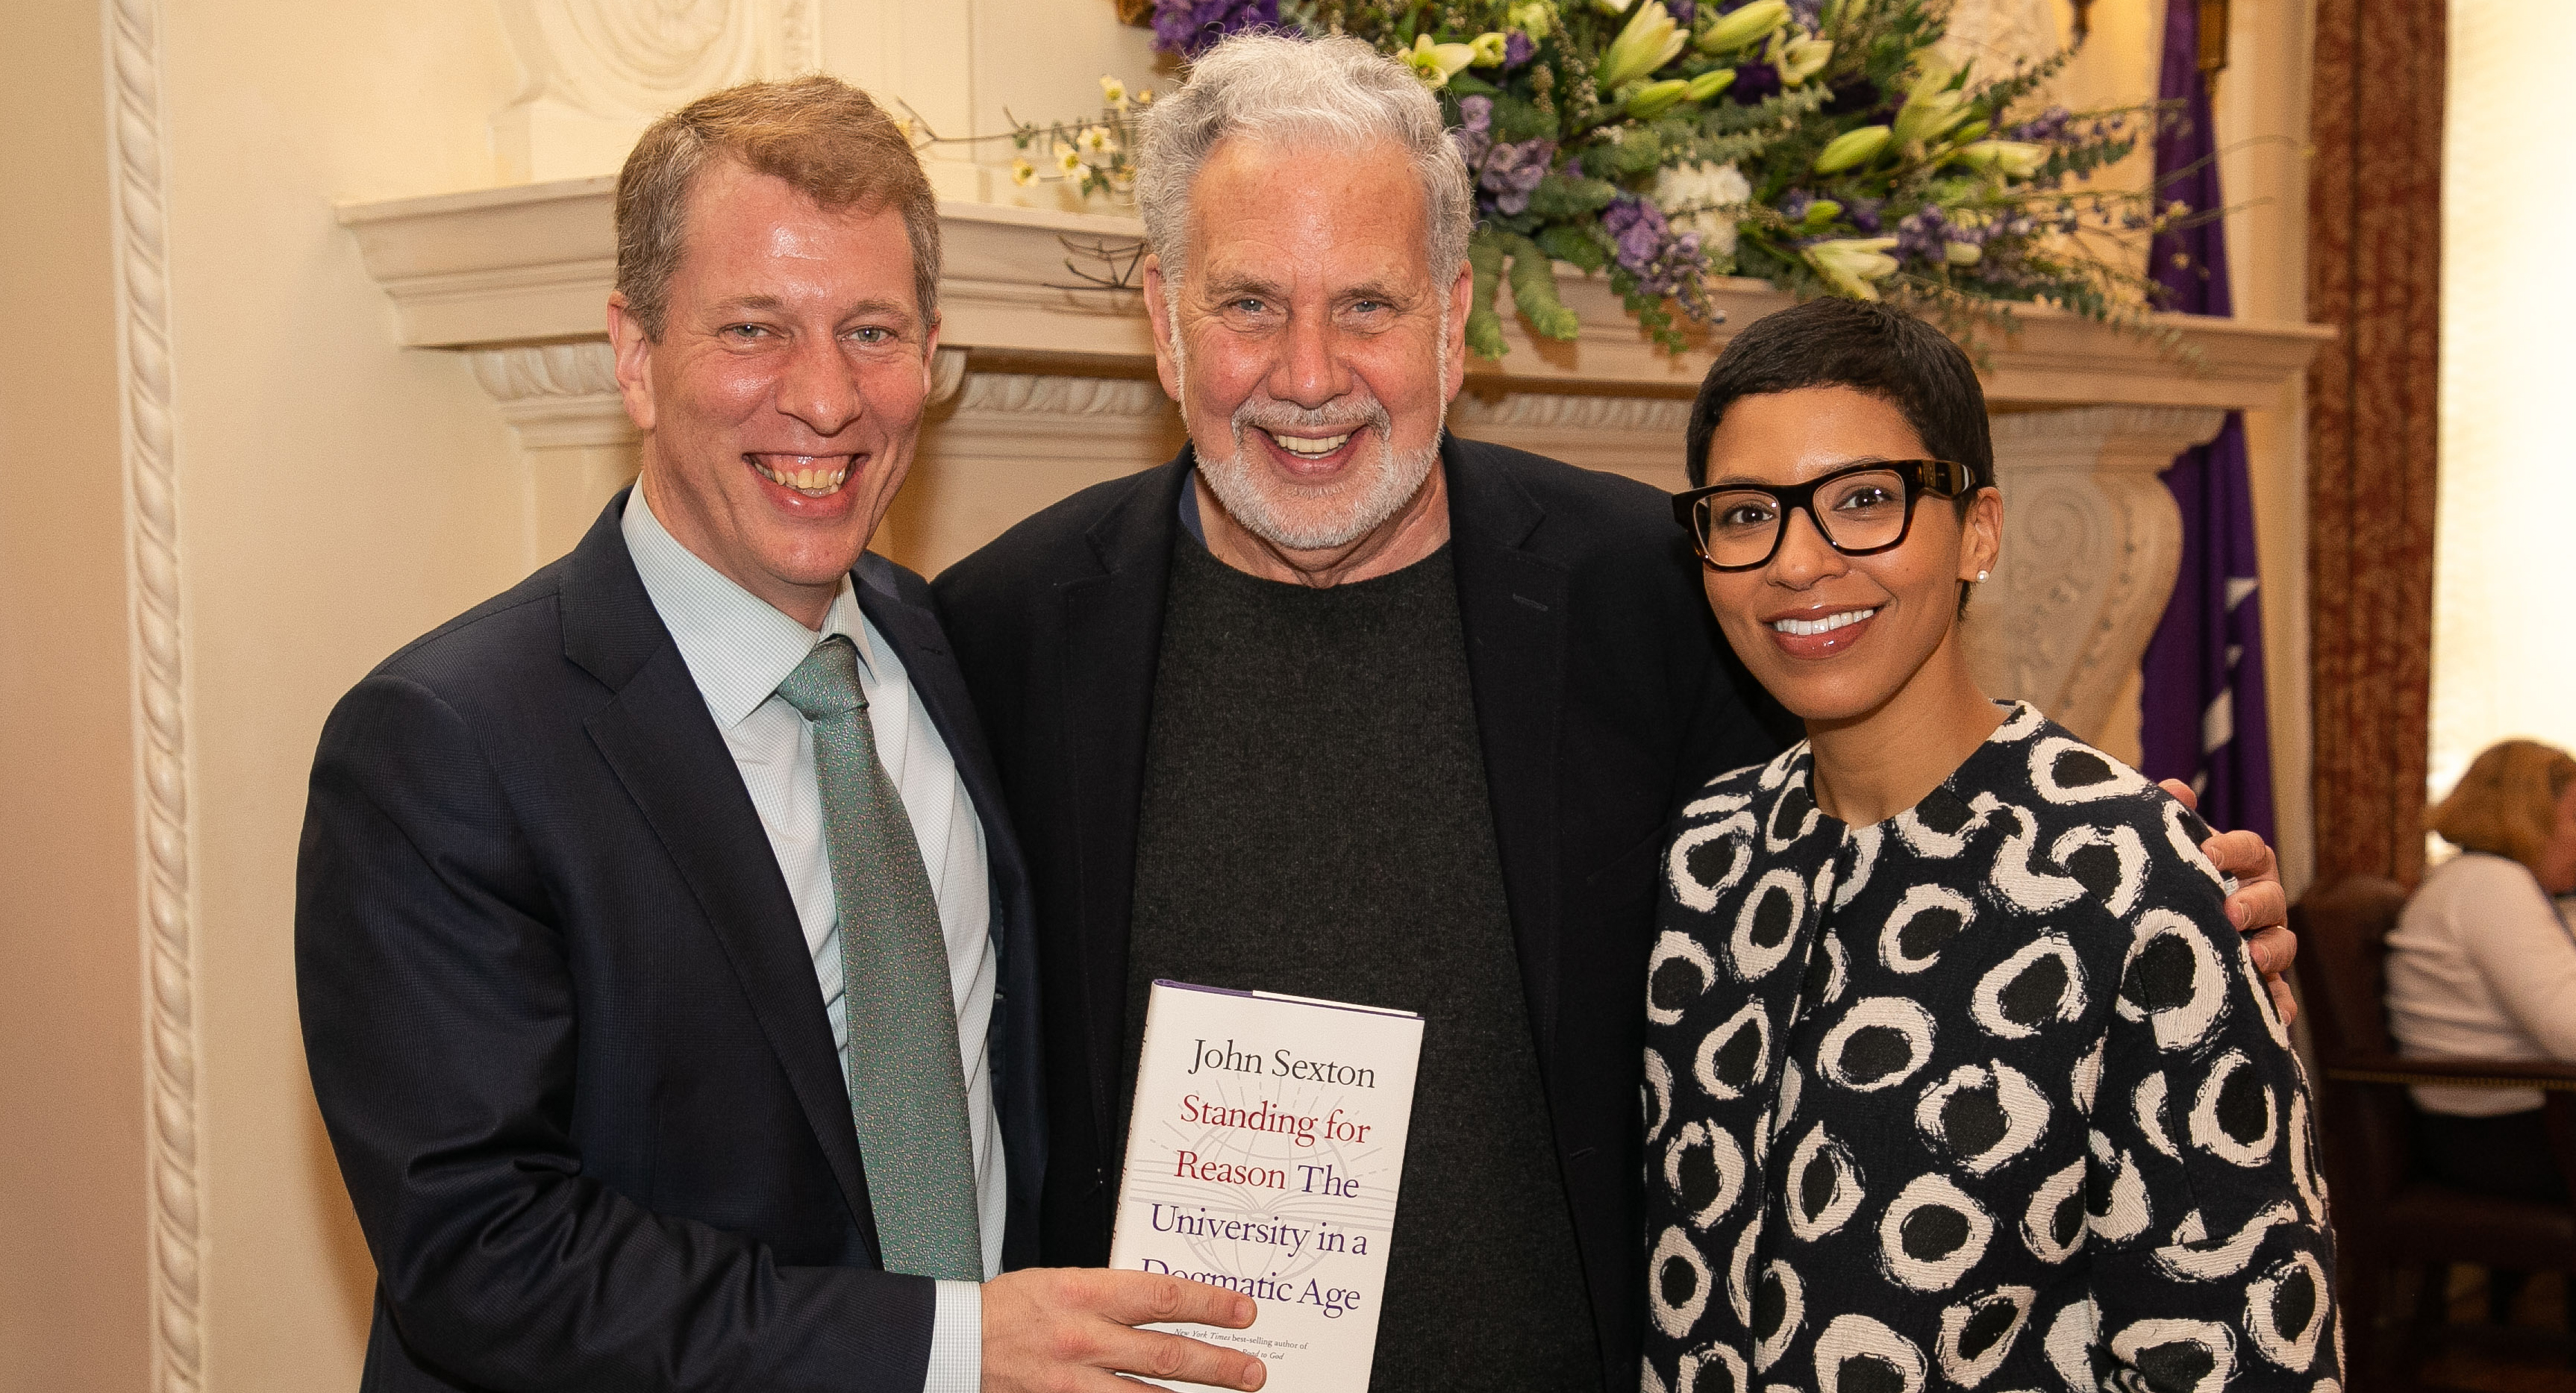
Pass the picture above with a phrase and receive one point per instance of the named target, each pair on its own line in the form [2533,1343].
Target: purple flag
[2203,708]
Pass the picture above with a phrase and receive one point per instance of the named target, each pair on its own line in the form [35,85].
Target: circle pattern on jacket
[1907,1083]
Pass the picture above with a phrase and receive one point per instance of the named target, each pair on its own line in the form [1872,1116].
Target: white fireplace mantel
[1045,385]
[533,264]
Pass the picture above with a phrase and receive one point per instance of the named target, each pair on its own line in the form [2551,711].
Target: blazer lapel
[1512,604]
[1113,633]
[664,747]
[932,668]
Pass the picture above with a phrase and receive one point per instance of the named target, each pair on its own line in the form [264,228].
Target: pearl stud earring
[1981,575]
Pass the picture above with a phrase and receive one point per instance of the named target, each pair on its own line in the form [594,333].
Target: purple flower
[1921,235]
[1753,82]
[1863,213]
[1510,172]
[2046,129]
[1664,264]
[1682,11]
[1475,134]
[1639,233]
[1189,27]
[1517,49]
[1638,228]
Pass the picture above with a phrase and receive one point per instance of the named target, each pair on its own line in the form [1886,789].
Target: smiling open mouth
[1305,448]
[1825,625]
[811,475]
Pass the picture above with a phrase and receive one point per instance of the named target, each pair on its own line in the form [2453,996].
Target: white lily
[1801,58]
[1436,63]
[1650,41]
[2014,159]
[1849,264]
[1933,107]
[1744,26]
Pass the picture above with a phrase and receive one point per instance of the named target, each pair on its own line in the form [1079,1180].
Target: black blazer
[1602,690]
[564,1029]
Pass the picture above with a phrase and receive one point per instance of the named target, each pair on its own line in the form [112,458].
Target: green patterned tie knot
[826,684]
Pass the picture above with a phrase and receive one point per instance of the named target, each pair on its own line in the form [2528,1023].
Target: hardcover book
[1262,1156]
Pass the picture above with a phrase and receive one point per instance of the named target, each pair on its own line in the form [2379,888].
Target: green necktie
[907,1086]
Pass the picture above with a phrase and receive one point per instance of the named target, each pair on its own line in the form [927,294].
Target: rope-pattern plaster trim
[161,698]
[1656,416]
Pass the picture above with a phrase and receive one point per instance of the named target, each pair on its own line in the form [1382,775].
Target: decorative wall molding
[534,263]
[556,394]
[1662,417]
[172,1046]
[1640,437]
[2091,544]
[1016,393]
[599,71]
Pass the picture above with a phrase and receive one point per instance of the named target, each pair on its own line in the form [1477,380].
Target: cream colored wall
[338,497]
[73,1284]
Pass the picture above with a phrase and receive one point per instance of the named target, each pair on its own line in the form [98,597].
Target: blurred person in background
[2482,965]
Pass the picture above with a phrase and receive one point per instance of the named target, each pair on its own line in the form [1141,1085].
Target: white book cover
[1263,1156]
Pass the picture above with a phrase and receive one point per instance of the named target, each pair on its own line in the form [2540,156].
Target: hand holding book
[1039,1322]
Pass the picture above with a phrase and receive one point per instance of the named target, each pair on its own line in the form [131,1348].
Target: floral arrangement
[1822,145]
[1090,155]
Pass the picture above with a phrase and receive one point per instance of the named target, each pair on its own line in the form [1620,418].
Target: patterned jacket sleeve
[2213,1260]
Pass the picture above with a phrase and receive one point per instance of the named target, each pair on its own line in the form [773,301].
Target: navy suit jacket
[564,1028]
[1603,694]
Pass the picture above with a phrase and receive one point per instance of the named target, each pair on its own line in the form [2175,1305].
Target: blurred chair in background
[2389,1211]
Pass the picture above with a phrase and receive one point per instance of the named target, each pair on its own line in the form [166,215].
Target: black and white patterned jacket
[1986,1096]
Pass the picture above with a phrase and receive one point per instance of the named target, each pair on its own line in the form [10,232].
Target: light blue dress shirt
[738,649]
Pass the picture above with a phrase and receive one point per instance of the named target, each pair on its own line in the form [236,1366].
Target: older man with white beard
[1336,705]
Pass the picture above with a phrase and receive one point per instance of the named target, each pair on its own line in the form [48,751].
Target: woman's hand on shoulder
[2260,908]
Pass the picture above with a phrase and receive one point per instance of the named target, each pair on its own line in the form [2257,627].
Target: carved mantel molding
[1045,385]
[2092,540]
[533,264]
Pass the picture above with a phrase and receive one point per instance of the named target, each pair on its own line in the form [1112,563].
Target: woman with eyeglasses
[1958,1075]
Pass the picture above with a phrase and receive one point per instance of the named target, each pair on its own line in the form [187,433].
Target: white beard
[1361,503]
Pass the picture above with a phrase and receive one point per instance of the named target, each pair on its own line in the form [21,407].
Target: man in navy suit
[666,958]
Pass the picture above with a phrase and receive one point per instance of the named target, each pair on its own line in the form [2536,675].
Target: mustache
[1349,412]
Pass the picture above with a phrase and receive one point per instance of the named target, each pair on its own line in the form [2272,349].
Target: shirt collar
[738,646]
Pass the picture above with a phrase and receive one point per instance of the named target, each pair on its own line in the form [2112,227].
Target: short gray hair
[1275,88]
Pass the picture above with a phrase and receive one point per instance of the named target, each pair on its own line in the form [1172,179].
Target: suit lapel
[1113,632]
[1512,604]
[932,669]
[664,747]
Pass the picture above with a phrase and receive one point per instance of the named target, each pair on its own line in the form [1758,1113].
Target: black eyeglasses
[1859,510]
